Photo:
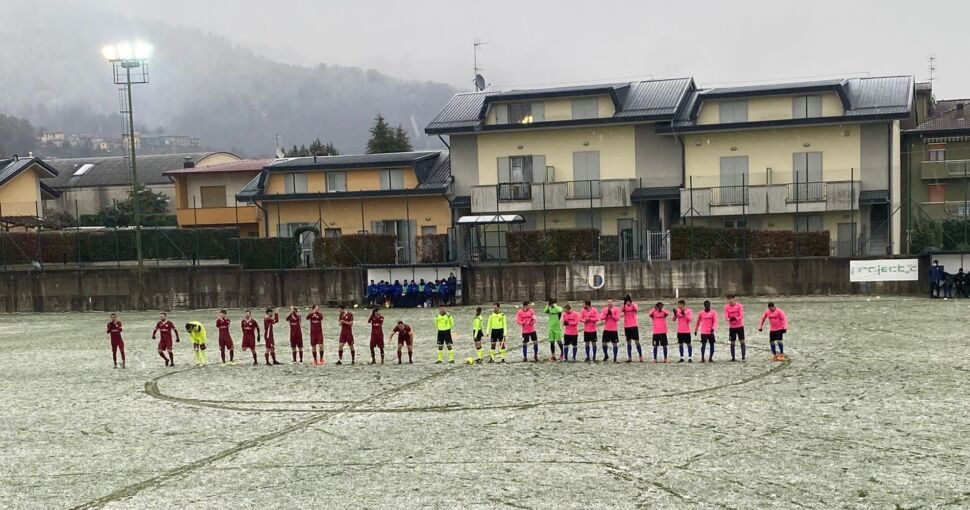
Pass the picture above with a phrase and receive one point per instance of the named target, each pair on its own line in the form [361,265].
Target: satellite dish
[480,82]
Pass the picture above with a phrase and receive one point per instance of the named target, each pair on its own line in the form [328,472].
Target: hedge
[65,246]
[552,245]
[730,243]
[265,252]
[354,249]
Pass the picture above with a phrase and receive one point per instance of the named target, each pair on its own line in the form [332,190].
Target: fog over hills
[202,85]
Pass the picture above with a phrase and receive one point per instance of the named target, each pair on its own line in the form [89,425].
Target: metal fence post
[158,255]
[117,248]
[40,229]
[77,232]
[744,216]
[797,200]
[693,213]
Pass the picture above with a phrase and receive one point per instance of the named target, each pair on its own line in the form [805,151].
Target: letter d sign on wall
[597,277]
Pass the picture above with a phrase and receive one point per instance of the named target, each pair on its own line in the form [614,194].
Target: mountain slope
[51,73]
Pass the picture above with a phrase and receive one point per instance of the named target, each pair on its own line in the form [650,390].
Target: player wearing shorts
[166,327]
[526,319]
[250,332]
[346,321]
[777,327]
[610,315]
[196,332]
[682,316]
[554,329]
[404,337]
[444,323]
[631,328]
[315,318]
[225,338]
[376,321]
[296,334]
[659,316]
[734,313]
[478,327]
[497,323]
[707,322]
[117,343]
[271,318]
[590,318]
[570,323]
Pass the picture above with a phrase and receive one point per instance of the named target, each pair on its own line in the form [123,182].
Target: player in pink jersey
[777,327]
[225,338]
[659,316]
[570,323]
[734,313]
[682,316]
[707,322]
[631,328]
[610,315]
[526,319]
[166,327]
[590,318]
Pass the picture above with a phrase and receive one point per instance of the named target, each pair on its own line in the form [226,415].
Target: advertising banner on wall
[884,270]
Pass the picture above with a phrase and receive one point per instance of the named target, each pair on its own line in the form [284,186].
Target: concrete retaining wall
[705,278]
[174,288]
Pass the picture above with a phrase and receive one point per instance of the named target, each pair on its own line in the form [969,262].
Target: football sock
[681,347]
[616,351]
[491,354]
[201,353]
[162,354]
[409,355]
[171,357]
[665,352]
[655,353]
[501,352]
[781,347]
[197,358]
[525,351]
[690,351]
[594,351]
[575,350]
[587,350]
[535,349]
[451,354]
[479,353]
[732,350]
[773,348]
[315,356]
[255,359]
[399,355]
[123,356]
[114,355]
[744,351]
[712,352]
[441,354]
[703,348]
[267,357]
[606,353]
[340,353]
[222,354]
[639,350]
[629,350]
[300,352]
[353,356]
[273,355]
[372,356]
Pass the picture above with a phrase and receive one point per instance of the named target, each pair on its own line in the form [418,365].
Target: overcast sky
[536,43]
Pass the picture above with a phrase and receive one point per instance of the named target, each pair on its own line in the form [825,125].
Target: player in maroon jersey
[296,333]
[117,343]
[376,321]
[250,329]
[225,339]
[271,317]
[166,327]
[346,321]
[404,337]
[315,318]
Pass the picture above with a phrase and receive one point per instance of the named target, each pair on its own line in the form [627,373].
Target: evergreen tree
[402,140]
[317,148]
[382,138]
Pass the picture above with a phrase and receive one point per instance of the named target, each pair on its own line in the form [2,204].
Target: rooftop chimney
[188,163]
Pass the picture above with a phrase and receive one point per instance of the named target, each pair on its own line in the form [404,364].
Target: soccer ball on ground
[469,360]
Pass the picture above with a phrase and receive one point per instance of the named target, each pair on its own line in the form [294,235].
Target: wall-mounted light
[697,144]
[734,148]
[806,144]
[771,225]
[521,147]
[427,218]
[585,144]
[555,220]
[845,132]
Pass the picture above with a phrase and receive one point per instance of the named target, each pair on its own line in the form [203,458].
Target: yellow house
[821,155]
[567,157]
[404,194]
[22,191]
[205,196]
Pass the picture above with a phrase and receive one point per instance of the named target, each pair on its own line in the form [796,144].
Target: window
[734,223]
[733,111]
[585,108]
[807,177]
[520,113]
[936,193]
[588,219]
[515,178]
[336,181]
[294,183]
[806,107]
[331,232]
[586,175]
[392,179]
[213,196]
[83,169]
[734,181]
[808,223]
[937,151]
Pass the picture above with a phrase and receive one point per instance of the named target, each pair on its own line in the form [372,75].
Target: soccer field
[871,411]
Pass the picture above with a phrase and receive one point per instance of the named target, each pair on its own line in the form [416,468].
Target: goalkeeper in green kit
[554,329]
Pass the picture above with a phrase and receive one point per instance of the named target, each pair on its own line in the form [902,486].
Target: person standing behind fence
[961,283]
[452,288]
[936,278]
[413,297]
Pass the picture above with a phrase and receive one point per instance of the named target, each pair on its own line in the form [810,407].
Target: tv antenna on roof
[480,83]
[932,68]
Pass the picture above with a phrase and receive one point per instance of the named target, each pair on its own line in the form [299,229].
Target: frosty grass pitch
[871,411]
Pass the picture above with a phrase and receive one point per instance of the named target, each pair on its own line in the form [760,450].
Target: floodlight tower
[129,64]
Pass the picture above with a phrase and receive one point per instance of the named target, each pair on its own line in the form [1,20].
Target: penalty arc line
[131,490]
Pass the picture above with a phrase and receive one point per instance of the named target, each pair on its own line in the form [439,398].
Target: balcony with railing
[770,199]
[806,192]
[949,169]
[212,216]
[538,196]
